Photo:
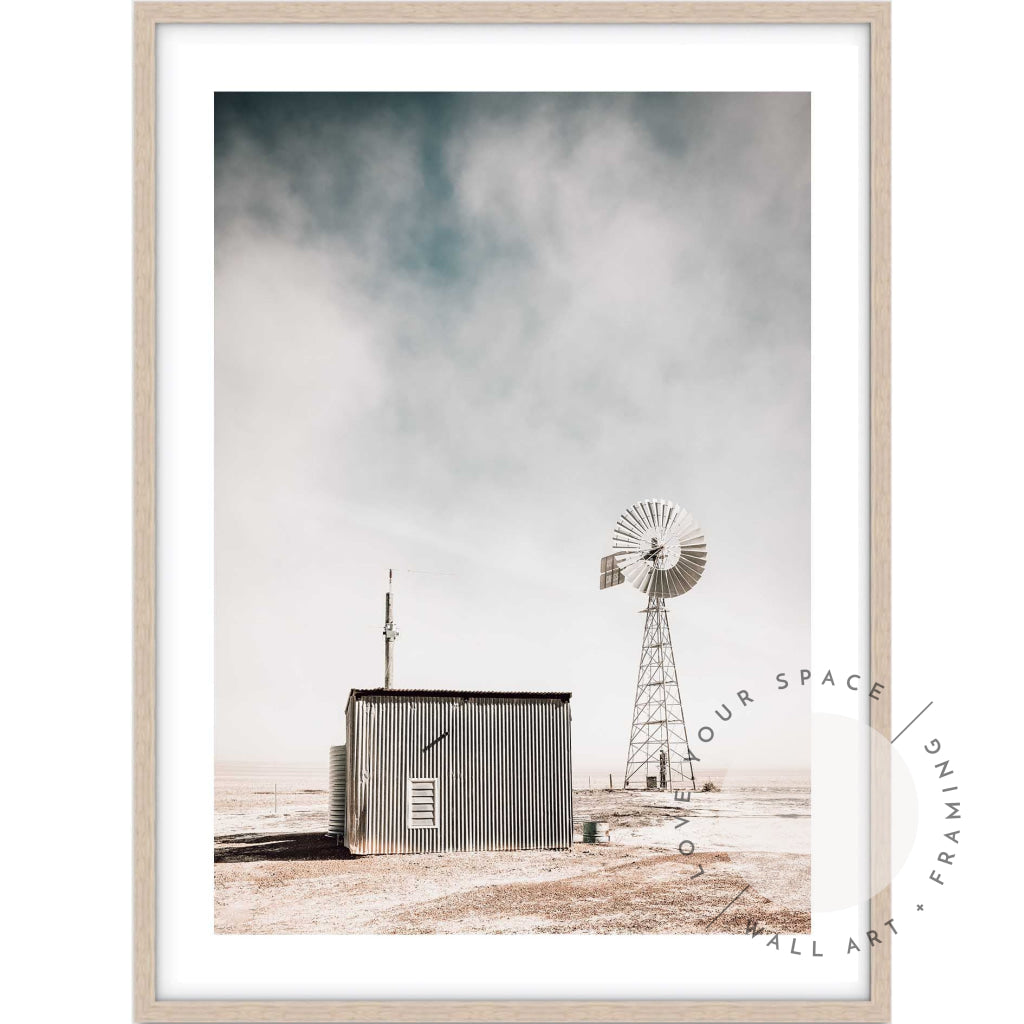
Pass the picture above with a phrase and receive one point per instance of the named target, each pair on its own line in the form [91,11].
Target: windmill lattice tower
[659,548]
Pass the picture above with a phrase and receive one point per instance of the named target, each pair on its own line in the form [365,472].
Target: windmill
[659,548]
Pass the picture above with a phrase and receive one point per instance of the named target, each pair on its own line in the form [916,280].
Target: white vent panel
[421,801]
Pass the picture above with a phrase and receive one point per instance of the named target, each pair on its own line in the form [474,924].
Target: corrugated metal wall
[503,766]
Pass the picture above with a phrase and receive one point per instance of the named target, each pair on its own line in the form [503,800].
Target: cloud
[465,332]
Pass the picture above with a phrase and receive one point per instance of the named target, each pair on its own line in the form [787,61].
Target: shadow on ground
[257,846]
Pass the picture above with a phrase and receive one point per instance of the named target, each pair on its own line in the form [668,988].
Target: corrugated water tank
[336,787]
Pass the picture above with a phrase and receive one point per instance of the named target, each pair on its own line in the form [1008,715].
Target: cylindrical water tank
[336,792]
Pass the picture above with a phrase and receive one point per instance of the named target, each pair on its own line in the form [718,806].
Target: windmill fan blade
[659,547]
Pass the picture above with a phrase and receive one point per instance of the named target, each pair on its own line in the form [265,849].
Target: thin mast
[390,636]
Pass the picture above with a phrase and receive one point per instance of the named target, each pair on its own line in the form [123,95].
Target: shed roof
[480,694]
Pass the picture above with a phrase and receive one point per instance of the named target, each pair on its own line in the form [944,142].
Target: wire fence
[597,780]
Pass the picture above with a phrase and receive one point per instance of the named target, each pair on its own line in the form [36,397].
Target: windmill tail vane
[659,548]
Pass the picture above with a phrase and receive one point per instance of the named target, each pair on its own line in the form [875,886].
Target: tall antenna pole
[390,636]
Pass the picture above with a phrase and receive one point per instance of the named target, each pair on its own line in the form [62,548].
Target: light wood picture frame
[147,18]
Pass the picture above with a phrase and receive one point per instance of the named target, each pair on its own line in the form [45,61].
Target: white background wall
[66,463]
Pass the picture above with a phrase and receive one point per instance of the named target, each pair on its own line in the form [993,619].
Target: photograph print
[512,512]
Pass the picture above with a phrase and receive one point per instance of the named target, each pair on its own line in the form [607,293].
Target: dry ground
[278,873]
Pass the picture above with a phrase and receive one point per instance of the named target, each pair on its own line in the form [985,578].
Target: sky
[456,336]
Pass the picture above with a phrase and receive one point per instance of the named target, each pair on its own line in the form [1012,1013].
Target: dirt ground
[275,872]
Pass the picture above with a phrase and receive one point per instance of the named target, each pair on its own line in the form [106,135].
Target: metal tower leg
[658,745]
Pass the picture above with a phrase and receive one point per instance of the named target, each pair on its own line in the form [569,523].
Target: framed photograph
[464,333]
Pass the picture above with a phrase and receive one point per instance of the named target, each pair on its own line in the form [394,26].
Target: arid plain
[276,872]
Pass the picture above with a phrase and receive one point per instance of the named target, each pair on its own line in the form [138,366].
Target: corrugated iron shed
[434,771]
